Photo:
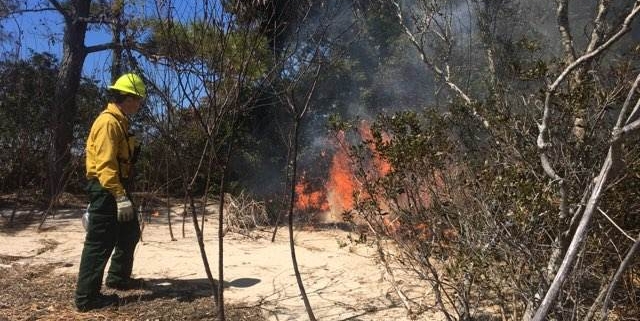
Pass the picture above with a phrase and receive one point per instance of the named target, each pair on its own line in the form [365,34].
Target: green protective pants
[104,236]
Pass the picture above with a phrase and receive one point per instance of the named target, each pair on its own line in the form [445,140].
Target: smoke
[375,69]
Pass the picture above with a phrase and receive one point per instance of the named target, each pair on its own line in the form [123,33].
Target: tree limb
[626,102]
[607,170]
[590,55]
[440,73]
[63,12]
[562,16]
[102,47]
[599,25]
[543,126]
[19,12]
[577,240]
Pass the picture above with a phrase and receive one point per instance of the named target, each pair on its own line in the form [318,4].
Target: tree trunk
[203,253]
[64,109]
[292,246]
[221,233]
[117,29]
[578,239]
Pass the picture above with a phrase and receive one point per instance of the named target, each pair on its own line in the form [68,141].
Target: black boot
[129,284]
[98,302]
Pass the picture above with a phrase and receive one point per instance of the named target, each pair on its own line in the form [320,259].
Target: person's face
[131,104]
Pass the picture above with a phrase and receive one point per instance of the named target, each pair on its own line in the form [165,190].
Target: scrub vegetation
[495,142]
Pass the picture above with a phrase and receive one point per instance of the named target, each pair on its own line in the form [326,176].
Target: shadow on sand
[181,290]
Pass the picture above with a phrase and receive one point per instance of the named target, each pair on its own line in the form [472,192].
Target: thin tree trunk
[594,306]
[184,215]
[20,184]
[576,242]
[221,234]
[206,191]
[169,203]
[51,209]
[292,246]
[610,166]
[199,235]
[221,315]
[287,173]
[200,238]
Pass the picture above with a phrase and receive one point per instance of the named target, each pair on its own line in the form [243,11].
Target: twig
[616,225]
[623,266]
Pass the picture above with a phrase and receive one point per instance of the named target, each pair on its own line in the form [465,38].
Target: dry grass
[37,293]
[243,213]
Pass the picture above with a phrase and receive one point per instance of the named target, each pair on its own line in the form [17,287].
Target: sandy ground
[343,279]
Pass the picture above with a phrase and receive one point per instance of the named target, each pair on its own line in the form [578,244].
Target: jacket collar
[114,110]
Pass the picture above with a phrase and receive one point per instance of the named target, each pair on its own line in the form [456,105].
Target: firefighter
[113,226]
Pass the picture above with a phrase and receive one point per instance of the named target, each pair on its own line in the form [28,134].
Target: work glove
[85,219]
[125,209]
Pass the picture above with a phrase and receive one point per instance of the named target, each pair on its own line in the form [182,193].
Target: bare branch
[626,102]
[311,91]
[599,25]
[36,10]
[590,55]
[101,47]
[543,145]
[543,126]
[600,181]
[596,302]
[565,32]
[633,127]
[615,225]
[445,76]
[578,239]
[629,128]
[623,266]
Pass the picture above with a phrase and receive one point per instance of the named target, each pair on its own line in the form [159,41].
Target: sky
[42,31]
[37,32]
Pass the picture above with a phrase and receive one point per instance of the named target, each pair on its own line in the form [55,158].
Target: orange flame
[381,165]
[341,183]
[307,199]
[336,197]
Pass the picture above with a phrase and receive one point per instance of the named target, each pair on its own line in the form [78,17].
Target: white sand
[341,282]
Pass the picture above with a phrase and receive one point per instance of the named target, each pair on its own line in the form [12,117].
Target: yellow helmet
[130,84]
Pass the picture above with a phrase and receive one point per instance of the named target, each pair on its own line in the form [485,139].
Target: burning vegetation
[331,196]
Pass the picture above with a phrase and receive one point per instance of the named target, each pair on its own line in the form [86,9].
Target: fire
[332,197]
[336,195]
[380,165]
[421,231]
[307,199]
[341,183]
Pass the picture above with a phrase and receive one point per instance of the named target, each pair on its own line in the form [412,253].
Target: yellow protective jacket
[109,150]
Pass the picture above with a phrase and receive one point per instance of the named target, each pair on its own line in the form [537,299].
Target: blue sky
[42,32]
